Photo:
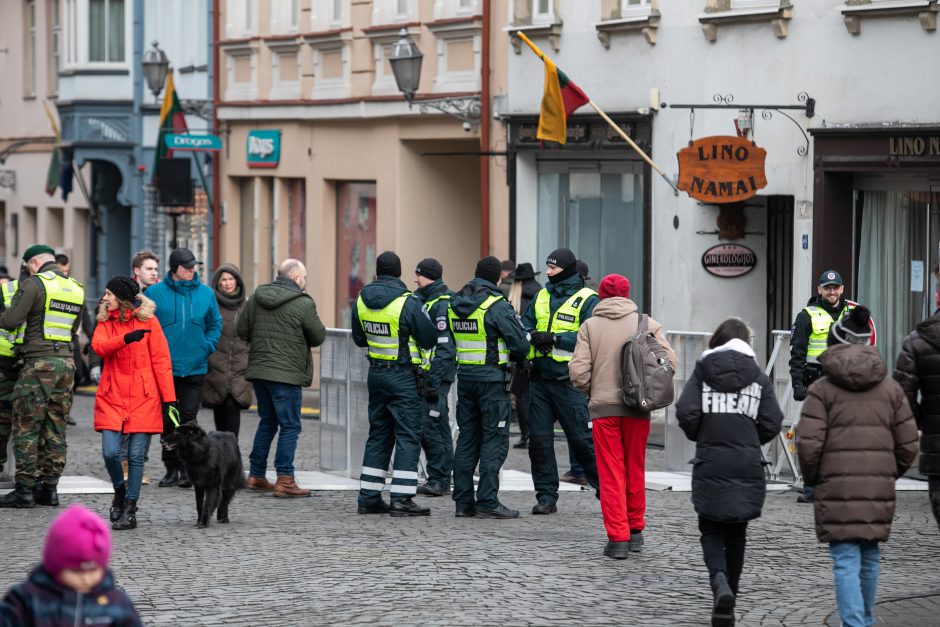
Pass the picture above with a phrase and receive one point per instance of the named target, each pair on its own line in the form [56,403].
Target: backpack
[645,372]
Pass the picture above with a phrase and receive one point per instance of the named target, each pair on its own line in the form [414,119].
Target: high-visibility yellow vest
[10,339]
[428,354]
[64,300]
[470,336]
[818,338]
[381,327]
[566,318]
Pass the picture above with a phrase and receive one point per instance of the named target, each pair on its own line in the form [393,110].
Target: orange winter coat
[136,378]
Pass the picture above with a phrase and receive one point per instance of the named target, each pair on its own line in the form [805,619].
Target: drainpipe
[216,182]
[485,134]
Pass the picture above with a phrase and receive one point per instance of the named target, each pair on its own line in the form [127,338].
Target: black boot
[128,518]
[117,503]
[522,443]
[407,507]
[184,481]
[46,494]
[20,497]
[171,478]
[723,608]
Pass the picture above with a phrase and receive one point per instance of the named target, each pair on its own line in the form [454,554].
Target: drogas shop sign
[264,148]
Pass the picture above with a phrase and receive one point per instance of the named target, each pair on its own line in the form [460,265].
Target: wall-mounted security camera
[467,126]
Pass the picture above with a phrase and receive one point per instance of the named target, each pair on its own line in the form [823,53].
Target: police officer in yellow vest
[488,336]
[9,340]
[50,304]
[553,319]
[389,321]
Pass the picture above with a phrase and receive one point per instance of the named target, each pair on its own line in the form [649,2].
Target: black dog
[214,465]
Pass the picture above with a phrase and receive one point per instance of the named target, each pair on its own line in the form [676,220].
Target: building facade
[851,178]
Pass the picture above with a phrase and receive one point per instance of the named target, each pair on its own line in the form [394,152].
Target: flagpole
[633,145]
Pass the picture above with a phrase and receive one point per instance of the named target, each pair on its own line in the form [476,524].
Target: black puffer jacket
[918,369]
[729,409]
[228,364]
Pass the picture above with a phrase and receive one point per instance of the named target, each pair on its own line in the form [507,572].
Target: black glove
[542,341]
[135,336]
[431,396]
[799,392]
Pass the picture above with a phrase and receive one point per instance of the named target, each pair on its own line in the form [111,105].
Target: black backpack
[645,372]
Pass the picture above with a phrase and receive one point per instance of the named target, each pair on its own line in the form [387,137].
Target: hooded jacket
[595,367]
[229,363]
[136,378]
[443,365]
[42,602]
[544,365]
[918,370]
[414,322]
[281,325]
[729,409]
[500,321]
[190,318]
[855,437]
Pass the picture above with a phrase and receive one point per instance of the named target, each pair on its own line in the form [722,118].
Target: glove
[171,412]
[95,374]
[799,392]
[135,336]
[543,341]
[431,396]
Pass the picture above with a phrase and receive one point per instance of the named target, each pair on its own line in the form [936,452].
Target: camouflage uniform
[9,341]
[6,414]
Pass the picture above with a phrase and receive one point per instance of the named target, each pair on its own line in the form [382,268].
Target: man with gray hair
[281,325]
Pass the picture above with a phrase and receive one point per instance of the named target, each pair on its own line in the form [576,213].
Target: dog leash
[174,415]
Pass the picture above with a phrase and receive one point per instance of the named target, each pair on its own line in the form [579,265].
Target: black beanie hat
[124,288]
[852,328]
[564,259]
[388,264]
[488,269]
[430,268]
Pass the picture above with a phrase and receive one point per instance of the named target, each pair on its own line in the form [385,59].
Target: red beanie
[614,285]
[77,539]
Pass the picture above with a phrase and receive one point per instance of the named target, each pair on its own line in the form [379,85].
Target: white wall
[877,76]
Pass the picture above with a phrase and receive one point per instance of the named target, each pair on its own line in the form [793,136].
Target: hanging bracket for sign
[726,101]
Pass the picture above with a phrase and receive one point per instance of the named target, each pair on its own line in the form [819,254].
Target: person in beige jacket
[619,433]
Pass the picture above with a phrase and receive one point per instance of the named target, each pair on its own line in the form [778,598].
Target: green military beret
[37,249]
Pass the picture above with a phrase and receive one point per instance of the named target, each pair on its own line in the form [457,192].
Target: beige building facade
[326,162]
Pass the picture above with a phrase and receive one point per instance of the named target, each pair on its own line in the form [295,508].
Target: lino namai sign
[722,169]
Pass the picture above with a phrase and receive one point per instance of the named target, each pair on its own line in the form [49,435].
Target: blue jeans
[137,446]
[278,408]
[855,570]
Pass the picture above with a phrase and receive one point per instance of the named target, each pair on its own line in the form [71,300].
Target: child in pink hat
[73,585]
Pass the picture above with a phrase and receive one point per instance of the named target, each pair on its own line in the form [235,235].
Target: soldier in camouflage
[9,341]
[50,304]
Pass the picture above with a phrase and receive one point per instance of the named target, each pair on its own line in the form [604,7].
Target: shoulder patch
[441,325]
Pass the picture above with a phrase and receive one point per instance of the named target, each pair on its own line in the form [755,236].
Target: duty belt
[374,363]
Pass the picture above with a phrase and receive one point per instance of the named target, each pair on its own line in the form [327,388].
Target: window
[755,4]
[541,8]
[239,17]
[285,16]
[336,12]
[631,6]
[401,8]
[106,31]
[29,54]
[55,37]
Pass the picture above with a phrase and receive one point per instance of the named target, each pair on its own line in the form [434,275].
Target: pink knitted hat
[77,539]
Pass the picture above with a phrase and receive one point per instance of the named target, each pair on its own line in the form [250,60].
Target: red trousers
[620,447]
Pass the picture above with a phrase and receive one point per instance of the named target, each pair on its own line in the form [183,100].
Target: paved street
[315,561]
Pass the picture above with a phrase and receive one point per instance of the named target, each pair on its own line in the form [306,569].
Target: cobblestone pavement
[315,561]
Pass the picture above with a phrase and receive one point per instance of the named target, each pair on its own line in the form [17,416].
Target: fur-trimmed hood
[144,312]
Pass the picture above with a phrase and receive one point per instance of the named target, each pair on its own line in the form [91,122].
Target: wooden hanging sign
[722,169]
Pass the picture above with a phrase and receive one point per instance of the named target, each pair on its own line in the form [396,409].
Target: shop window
[355,246]
[597,210]
[106,31]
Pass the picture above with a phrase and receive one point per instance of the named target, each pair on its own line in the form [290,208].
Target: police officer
[808,339]
[9,341]
[488,335]
[438,370]
[51,306]
[389,321]
[553,319]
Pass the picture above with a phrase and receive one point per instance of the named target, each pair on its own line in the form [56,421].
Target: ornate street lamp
[156,66]
[406,66]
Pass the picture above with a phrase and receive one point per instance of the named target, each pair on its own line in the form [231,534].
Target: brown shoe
[259,484]
[124,468]
[287,487]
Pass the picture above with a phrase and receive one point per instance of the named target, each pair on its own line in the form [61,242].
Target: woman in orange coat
[136,388]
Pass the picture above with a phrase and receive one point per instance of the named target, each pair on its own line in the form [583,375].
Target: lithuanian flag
[560,99]
[172,120]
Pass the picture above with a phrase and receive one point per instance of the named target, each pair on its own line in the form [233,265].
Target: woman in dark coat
[728,408]
[225,390]
[523,289]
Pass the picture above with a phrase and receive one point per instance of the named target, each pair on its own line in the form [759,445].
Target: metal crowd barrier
[780,459]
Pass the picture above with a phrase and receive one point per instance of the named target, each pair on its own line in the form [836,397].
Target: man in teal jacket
[553,319]
[488,336]
[389,321]
[189,314]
